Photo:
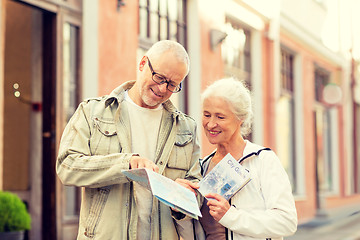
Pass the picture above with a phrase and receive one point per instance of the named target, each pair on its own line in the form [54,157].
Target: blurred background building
[300,59]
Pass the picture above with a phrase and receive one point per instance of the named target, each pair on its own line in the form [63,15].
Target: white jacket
[265,207]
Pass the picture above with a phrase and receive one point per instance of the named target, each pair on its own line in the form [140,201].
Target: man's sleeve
[76,166]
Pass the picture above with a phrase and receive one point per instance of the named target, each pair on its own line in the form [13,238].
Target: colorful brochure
[225,179]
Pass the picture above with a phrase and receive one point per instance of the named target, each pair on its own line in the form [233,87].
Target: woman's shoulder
[255,149]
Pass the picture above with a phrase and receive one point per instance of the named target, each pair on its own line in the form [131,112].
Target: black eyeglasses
[160,79]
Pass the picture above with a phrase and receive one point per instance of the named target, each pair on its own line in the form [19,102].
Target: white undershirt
[145,124]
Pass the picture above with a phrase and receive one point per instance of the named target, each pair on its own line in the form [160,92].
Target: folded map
[166,190]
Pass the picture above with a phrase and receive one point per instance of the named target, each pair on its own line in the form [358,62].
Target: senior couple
[137,126]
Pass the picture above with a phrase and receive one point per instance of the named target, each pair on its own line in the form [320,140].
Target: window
[162,19]
[159,20]
[287,75]
[356,148]
[323,135]
[235,51]
[321,80]
[286,140]
[70,102]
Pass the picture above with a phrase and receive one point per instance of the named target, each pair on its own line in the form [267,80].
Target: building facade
[305,86]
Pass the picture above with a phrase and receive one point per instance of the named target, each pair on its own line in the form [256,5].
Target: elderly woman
[264,208]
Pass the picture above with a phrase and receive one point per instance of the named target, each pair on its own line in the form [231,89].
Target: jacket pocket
[183,139]
[104,139]
[96,208]
[181,155]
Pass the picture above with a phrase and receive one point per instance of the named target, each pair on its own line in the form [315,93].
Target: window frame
[326,150]
[287,94]
[244,68]
[75,81]
[147,39]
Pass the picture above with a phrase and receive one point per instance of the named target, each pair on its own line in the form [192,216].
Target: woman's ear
[241,123]
[142,63]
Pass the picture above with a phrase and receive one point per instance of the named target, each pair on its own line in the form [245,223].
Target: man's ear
[142,63]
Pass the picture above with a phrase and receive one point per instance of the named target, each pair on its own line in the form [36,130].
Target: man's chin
[151,103]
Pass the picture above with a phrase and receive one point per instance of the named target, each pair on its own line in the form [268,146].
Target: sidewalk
[344,226]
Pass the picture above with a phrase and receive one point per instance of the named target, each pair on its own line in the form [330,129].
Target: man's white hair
[176,48]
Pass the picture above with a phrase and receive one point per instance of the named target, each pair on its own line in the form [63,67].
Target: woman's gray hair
[237,95]
[176,48]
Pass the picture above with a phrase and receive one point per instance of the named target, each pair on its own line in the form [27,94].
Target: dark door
[29,119]
[49,100]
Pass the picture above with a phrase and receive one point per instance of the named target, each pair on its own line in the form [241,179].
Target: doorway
[29,113]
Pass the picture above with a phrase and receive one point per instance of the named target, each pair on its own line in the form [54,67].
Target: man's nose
[163,87]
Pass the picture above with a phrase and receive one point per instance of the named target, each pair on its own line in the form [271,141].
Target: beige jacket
[96,146]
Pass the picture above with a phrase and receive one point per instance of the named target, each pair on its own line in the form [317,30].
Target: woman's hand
[218,205]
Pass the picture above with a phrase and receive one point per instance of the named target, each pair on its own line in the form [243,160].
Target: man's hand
[139,162]
[189,185]
[218,205]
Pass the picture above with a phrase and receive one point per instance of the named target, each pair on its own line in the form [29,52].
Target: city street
[65,69]
[341,228]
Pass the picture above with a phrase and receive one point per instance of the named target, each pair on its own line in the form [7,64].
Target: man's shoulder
[185,122]
[93,99]
[184,116]
[171,109]
[94,103]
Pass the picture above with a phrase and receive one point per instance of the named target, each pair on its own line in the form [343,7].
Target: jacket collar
[118,94]
[250,149]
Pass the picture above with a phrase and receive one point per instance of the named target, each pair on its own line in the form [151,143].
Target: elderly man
[136,126]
